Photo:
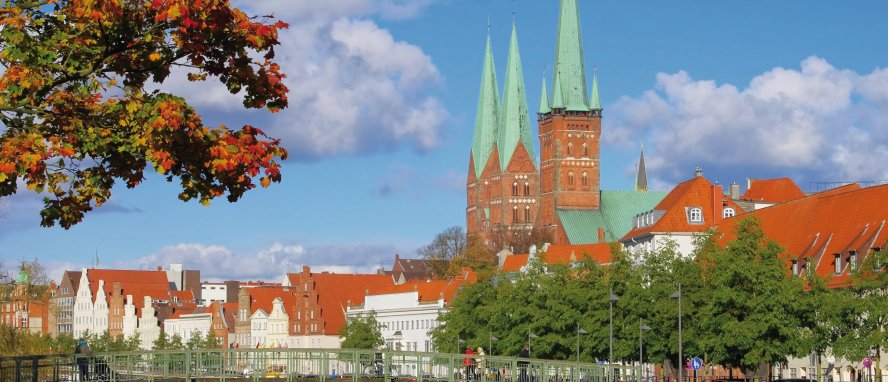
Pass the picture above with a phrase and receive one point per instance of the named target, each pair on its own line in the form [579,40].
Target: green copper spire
[514,120]
[486,116]
[557,99]
[596,100]
[22,278]
[641,179]
[544,100]
[569,58]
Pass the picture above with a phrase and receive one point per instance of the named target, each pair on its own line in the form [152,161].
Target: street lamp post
[458,341]
[579,331]
[529,336]
[641,328]
[677,295]
[610,359]
[490,343]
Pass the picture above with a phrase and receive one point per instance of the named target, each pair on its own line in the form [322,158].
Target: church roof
[514,127]
[595,104]
[569,59]
[487,114]
[641,178]
[616,215]
[544,100]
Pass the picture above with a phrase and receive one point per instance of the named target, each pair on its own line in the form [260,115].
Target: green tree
[196,341]
[866,310]
[361,332]
[211,341]
[176,342]
[78,116]
[162,342]
[753,314]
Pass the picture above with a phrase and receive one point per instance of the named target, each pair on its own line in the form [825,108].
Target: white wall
[210,292]
[187,324]
[405,322]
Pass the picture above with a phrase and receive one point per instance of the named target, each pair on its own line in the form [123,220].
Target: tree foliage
[452,249]
[361,332]
[77,115]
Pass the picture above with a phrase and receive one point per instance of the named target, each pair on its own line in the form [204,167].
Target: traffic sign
[867,362]
[696,363]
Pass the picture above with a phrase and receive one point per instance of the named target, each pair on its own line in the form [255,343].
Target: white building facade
[405,321]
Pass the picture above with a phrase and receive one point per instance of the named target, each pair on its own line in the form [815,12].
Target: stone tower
[569,129]
[483,161]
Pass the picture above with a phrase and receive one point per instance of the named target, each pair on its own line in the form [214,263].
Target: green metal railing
[302,364]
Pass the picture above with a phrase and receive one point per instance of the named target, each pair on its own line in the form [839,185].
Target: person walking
[522,365]
[81,354]
[469,363]
[482,363]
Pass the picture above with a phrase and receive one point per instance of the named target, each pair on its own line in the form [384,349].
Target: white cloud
[815,123]
[354,88]
[217,262]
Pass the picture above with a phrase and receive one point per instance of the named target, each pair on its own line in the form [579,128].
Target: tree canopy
[77,115]
[361,332]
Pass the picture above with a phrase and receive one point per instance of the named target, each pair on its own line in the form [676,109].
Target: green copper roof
[557,99]
[486,116]
[596,100]
[544,100]
[514,120]
[22,278]
[616,215]
[569,58]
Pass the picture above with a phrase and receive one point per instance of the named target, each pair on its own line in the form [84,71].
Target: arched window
[570,178]
[585,150]
[515,189]
[585,179]
[570,149]
[728,212]
[515,217]
[527,218]
[526,188]
[696,215]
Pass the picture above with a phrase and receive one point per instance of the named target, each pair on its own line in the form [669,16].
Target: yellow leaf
[2,177]
[265,181]
[174,12]
[205,202]
[154,56]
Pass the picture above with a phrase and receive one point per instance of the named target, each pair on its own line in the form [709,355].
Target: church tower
[569,130]
[483,162]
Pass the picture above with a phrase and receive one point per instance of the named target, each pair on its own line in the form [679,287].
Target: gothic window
[570,178]
[515,217]
[728,212]
[570,147]
[585,150]
[526,188]
[515,189]
[527,218]
[585,179]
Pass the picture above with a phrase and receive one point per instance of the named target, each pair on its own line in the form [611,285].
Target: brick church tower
[569,130]
[502,185]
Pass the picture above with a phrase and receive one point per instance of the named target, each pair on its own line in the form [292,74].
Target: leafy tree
[447,246]
[176,343]
[467,318]
[866,310]
[361,332]
[162,342]
[15,342]
[76,115]
[196,341]
[753,316]
[211,341]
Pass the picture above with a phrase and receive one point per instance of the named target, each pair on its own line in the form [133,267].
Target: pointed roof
[569,59]
[514,120]
[557,99]
[544,100]
[486,115]
[595,104]
[641,180]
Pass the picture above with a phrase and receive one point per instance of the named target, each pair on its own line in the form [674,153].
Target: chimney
[698,172]
[735,191]
[397,257]
[717,205]
[748,183]
[306,269]
[600,234]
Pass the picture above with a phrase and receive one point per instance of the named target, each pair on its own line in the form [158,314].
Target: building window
[570,178]
[696,215]
[650,218]
[795,267]
[585,150]
[729,212]
[638,221]
[515,189]
[852,259]
[526,188]
[527,218]
[515,214]
[570,149]
[838,263]
[585,179]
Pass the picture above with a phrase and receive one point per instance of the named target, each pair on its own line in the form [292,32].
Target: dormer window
[852,259]
[838,263]
[728,212]
[695,215]
[638,219]
[650,218]
[795,267]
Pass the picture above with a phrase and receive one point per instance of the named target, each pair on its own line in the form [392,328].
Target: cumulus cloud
[354,88]
[217,262]
[814,123]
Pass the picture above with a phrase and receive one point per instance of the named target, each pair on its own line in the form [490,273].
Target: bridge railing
[301,364]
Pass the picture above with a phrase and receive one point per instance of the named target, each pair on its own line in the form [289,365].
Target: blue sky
[383,96]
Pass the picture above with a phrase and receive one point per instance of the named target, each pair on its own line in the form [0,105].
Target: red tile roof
[514,263]
[135,283]
[563,254]
[263,298]
[335,291]
[772,190]
[815,228]
[696,192]
[432,290]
